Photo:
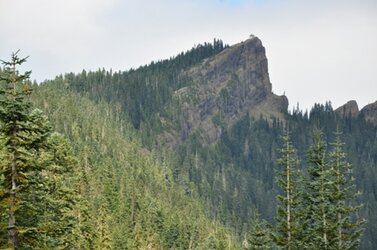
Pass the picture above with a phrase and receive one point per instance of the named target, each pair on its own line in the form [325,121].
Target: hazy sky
[317,50]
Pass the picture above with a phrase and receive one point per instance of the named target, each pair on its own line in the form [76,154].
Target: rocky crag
[224,89]
[369,112]
[349,109]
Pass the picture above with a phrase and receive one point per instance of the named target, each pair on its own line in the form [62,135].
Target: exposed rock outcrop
[370,112]
[349,109]
[225,88]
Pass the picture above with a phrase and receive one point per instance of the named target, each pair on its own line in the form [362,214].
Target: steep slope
[225,88]
[144,94]
[211,110]
[349,109]
[370,112]
[134,201]
[206,89]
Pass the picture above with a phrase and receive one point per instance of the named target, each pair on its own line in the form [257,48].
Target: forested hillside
[184,153]
[130,191]
[105,191]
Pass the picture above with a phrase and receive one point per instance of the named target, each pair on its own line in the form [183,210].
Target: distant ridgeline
[169,148]
[143,93]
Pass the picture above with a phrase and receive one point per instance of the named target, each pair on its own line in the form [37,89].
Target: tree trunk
[12,234]
[288,201]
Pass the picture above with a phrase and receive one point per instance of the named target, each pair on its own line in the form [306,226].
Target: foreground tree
[317,198]
[14,111]
[330,214]
[288,212]
[347,225]
[36,198]
[259,235]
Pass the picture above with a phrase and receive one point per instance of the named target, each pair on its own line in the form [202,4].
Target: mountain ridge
[226,87]
[211,112]
[350,108]
[369,111]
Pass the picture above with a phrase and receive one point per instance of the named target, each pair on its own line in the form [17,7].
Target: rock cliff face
[225,88]
[349,109]
[370,112]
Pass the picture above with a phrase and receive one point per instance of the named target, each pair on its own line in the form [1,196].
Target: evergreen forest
[86,163]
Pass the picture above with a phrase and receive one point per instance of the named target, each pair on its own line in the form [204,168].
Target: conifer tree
[103,234]
[14,111]
[347,226]
[35,187]
[83,231]
[287,228]
[57,198]
[259,235]
[317,221]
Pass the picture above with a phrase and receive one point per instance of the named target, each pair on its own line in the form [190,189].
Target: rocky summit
[225,88]
[370,112]
[188,148]
[349,109]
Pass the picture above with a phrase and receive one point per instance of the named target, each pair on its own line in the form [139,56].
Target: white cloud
[317,50]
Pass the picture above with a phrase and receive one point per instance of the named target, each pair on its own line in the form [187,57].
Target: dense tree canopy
[36,192]
[112,185]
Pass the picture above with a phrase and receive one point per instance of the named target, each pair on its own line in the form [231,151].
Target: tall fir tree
[14,111]
[347,225]
[317,198]
[35,184]
[258,237]
[57,200]
[103,232]
[288,211]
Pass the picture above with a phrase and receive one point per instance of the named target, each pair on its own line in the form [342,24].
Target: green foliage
[37,197]
[240,166]
[322,215]
[143,194]
[289,213]
[259,235]
[348,228]
[317,199]
[133,201]
[143,93]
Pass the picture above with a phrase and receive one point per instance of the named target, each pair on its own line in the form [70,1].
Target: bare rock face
[349,109]
[225,88]
[370,112]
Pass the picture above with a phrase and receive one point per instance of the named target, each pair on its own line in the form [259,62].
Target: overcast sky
[317,50]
